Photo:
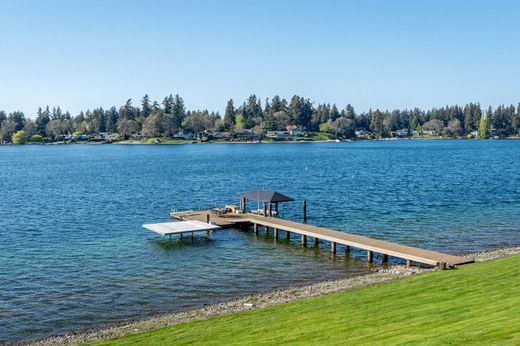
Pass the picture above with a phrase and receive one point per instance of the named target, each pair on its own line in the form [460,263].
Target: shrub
[19,137]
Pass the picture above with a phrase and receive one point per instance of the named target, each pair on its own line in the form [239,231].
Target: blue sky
[379,54]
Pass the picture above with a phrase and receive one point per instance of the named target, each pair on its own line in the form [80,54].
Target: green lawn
[476,304]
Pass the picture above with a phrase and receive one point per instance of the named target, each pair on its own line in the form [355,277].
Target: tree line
[164,119]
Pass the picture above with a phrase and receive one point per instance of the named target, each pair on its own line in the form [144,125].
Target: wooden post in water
[347,250]
[333,247]
[304,240]
[442,265]
[370,256]
[408,263]
[288,235]
[304,210]
[275,231]
[266,229]
[315,242]
[207,218]
[385,258]
[255,228]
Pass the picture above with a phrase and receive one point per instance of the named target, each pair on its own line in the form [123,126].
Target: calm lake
[73,254]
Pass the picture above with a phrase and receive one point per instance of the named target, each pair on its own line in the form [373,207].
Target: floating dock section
[180,227]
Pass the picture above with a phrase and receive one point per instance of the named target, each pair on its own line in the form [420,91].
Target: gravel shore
[259,301]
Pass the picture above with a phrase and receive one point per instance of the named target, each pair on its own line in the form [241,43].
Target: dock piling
[333,247]
[275,233]
[304,210]
[255,228]
[243,204]
[347,250]
[408,263]
[288,235]
[385,258]
[304,240]
[370,256]
[315,242]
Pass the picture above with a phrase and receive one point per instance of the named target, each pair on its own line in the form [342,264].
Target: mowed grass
[475,304]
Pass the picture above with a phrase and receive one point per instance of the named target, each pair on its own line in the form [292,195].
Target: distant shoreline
[183,142]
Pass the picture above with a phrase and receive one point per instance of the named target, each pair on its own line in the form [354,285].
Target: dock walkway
[371,245]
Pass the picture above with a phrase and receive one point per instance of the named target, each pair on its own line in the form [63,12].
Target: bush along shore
[249,303]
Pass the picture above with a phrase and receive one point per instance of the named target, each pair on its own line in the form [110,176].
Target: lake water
[73,254]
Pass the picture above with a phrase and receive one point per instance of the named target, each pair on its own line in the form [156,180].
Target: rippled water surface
[73,254]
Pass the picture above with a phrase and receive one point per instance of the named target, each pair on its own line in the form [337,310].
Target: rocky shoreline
[259,301]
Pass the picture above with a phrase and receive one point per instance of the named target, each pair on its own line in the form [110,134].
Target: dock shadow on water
[177,243]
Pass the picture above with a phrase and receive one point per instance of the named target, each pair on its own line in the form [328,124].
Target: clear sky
[379,54]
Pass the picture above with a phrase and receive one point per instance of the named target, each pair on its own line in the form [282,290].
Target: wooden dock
[348,240]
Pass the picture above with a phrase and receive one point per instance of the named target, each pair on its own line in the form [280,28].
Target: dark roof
[266,196]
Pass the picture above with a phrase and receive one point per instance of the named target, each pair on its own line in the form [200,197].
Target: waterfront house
[278,134]
[402,133]
[245,134]
[184,135]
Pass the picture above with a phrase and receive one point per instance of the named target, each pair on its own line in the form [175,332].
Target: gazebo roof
[266,196]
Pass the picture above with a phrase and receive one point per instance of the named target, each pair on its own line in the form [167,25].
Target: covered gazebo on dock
[268,198]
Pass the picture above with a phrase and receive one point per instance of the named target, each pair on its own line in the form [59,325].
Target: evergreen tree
[178,111]
[97,121]
[267,108]
[278,104]
[128,111]
[376,122]
[42,119]
[252,112]
[334,113]
[146,109]
[295,109]
[349,112]
[168,103]
[229,115]
[111,119]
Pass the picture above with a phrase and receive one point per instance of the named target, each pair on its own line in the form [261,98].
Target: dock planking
[371,245]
